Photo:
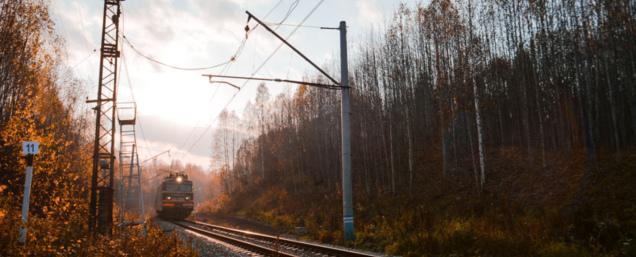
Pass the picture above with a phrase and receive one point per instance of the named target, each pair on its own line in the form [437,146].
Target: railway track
[267,245]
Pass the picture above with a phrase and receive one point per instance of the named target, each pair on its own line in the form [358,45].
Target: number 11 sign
[30,147]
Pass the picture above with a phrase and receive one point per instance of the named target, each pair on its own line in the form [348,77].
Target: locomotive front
[174,197]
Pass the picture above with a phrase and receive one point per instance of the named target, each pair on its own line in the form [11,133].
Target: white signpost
[29,148]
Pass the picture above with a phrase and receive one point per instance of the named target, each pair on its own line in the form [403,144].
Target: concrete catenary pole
[347,194]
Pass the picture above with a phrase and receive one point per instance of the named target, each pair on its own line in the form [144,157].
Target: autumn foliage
[39,101]
[479,128]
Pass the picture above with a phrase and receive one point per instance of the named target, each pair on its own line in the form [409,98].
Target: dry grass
[525,210]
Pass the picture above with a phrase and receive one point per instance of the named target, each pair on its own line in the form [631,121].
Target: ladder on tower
[131,200]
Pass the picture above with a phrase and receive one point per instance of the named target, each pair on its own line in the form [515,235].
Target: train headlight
[179,179]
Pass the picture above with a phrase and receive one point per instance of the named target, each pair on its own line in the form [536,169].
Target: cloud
[185,33]
[215,11]
[176,106]
[369,11]
[72,21]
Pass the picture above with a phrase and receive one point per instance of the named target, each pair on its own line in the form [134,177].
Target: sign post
[29,148]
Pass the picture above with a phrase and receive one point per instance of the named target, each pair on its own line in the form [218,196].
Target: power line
[291,9]
[256,71]
[170,65]
[238,52]
[294,48]
[212,123]
[84,59]
[286,38]
[132,94]
[270,11]
[313,84]
[273,8]
[248,30]
[226,64]
[292,25]
[216,89]
[281,44]
[232,58]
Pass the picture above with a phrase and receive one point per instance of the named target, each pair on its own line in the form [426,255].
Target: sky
[177,110]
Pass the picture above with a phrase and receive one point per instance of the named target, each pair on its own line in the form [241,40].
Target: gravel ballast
[203,245]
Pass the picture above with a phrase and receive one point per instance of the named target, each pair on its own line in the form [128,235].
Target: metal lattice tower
[130,193]
[101,202]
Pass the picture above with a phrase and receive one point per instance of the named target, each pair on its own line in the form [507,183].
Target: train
[174,199]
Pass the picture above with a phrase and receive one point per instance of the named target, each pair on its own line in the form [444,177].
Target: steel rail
[313,247]
[236,242]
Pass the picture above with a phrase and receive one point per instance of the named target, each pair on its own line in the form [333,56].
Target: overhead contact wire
[257,70]
[233,58]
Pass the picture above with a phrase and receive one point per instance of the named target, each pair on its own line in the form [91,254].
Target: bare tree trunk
[442,127]
[365,153]
[540,116]
[610,96]
[480,141]
[233,146]
[526,122]
[472,151]
[262,151]
[409,138]
[541,132]
[392,162]
[453,128]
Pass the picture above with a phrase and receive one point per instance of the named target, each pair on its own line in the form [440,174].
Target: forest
[40,101]
[479,128]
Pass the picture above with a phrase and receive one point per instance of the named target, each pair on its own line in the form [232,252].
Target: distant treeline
[448,86]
